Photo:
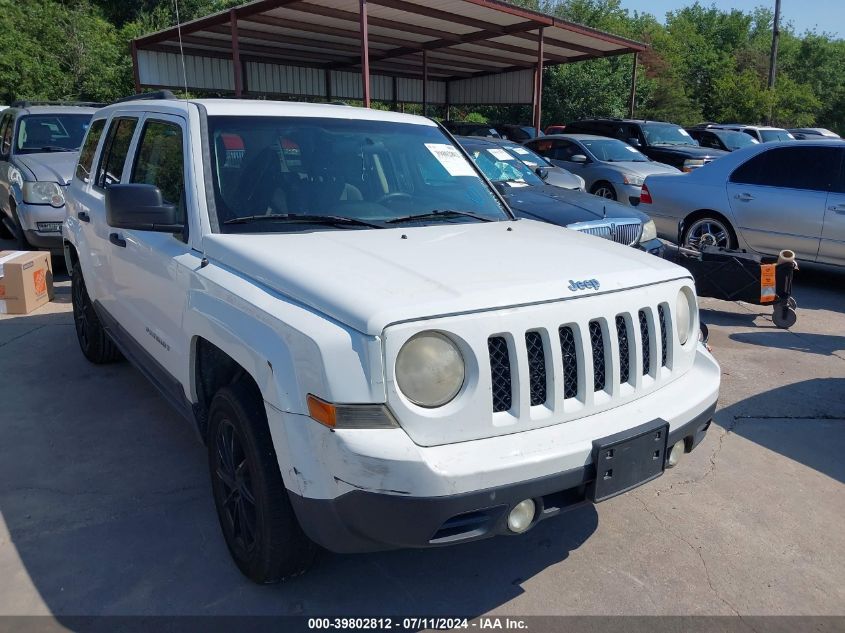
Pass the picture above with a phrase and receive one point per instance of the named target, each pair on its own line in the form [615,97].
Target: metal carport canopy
[420,51]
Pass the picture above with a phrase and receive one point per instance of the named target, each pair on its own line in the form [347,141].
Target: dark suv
[664,142]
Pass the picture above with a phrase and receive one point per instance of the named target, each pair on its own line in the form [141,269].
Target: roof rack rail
[147,96]
[28,103]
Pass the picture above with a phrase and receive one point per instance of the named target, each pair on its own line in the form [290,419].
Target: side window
[543,148]
[564,150]
[115,149]
[86,156]
[7,128]
[810,168]
[159,161]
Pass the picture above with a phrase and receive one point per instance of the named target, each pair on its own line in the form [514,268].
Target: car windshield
[666,134]
[284,174]
[737,140]
[527,156]
[613,151]
[38,133]
[776,135]
[501,166]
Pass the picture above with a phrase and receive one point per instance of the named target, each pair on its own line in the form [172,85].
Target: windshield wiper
[439,213]
[329,220]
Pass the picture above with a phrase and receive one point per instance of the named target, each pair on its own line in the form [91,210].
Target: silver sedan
[764,198]
[612,169]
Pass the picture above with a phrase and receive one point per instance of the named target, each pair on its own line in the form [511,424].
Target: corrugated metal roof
[465,40]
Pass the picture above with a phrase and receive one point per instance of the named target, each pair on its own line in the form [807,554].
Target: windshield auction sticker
[451,159]
[500,154]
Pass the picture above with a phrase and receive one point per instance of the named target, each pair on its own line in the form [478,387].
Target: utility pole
[773,61]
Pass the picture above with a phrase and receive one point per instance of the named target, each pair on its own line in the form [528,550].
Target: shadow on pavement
[824,344]
[104,492]
[804,421]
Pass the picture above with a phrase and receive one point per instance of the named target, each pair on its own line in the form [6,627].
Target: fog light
[521,516]
[675,454]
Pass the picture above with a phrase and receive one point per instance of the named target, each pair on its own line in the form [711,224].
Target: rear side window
[89,148]
[7,130]
[809,168]
[159,161]
[115,149]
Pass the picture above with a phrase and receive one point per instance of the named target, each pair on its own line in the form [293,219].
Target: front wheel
[255,513]
[93,339]
[604,190]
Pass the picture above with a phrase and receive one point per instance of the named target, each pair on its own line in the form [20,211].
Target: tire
[94,342]
[604,189]
[705,225]
[255,513]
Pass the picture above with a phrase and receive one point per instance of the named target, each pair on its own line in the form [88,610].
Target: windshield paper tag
[500,154]
[451,159]
[520,150]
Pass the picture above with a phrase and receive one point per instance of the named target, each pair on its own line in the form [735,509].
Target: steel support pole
[425,83]
[237,69]
[136,73]
[365,53]
[538,84]
[633,99]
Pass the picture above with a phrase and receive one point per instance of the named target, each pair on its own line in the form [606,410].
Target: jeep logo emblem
[585,284]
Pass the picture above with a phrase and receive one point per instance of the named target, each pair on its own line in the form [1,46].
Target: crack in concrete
[697,551]
[20,336]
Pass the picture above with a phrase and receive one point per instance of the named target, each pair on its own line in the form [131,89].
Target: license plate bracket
[628,459]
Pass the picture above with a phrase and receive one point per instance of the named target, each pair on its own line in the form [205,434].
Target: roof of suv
[252,107]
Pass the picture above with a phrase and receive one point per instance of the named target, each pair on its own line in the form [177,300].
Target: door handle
[83,216]
[115,239]
[744,197]
[837,208]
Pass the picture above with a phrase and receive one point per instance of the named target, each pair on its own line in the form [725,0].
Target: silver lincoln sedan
[763,198]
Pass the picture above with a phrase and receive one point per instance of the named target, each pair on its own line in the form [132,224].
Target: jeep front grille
[621,231]
[605,350]
[500,372]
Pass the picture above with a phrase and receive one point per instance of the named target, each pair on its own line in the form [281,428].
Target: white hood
[369,279]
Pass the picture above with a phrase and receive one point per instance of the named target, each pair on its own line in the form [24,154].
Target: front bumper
[361,521]
[30,215]
[366,490]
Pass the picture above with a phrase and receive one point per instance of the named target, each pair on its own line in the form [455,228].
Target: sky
[822,15]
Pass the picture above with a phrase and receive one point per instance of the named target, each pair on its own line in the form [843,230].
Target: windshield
[527,156]
[614,151]
[267,171]
[737,140]
[38,133]
[776,135]
[501,166]
[666,134]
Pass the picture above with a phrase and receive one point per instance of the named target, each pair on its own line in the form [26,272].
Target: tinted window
[86,156]
[564,150]
[814,168]
[159,161]
[38,133]
[115,149]
[6,130]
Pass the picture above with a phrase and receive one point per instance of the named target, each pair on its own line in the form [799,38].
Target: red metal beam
[237,69]
[538,83]
[135,69]
[365,52]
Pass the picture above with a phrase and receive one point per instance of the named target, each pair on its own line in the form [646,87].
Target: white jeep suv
[375,352]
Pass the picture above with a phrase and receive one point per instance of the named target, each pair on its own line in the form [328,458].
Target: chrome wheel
[604,190]
[708,232]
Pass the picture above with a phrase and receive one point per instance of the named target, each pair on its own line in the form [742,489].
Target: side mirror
[579,158]
[542,172]
[635,142]
[140,207]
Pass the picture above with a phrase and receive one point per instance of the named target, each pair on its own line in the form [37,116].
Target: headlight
[15,176]
[649,232]
[685,310]
[693,163]
[43,193]
[430,369]
[630,179]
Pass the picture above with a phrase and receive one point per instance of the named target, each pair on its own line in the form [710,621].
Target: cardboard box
[26,281]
